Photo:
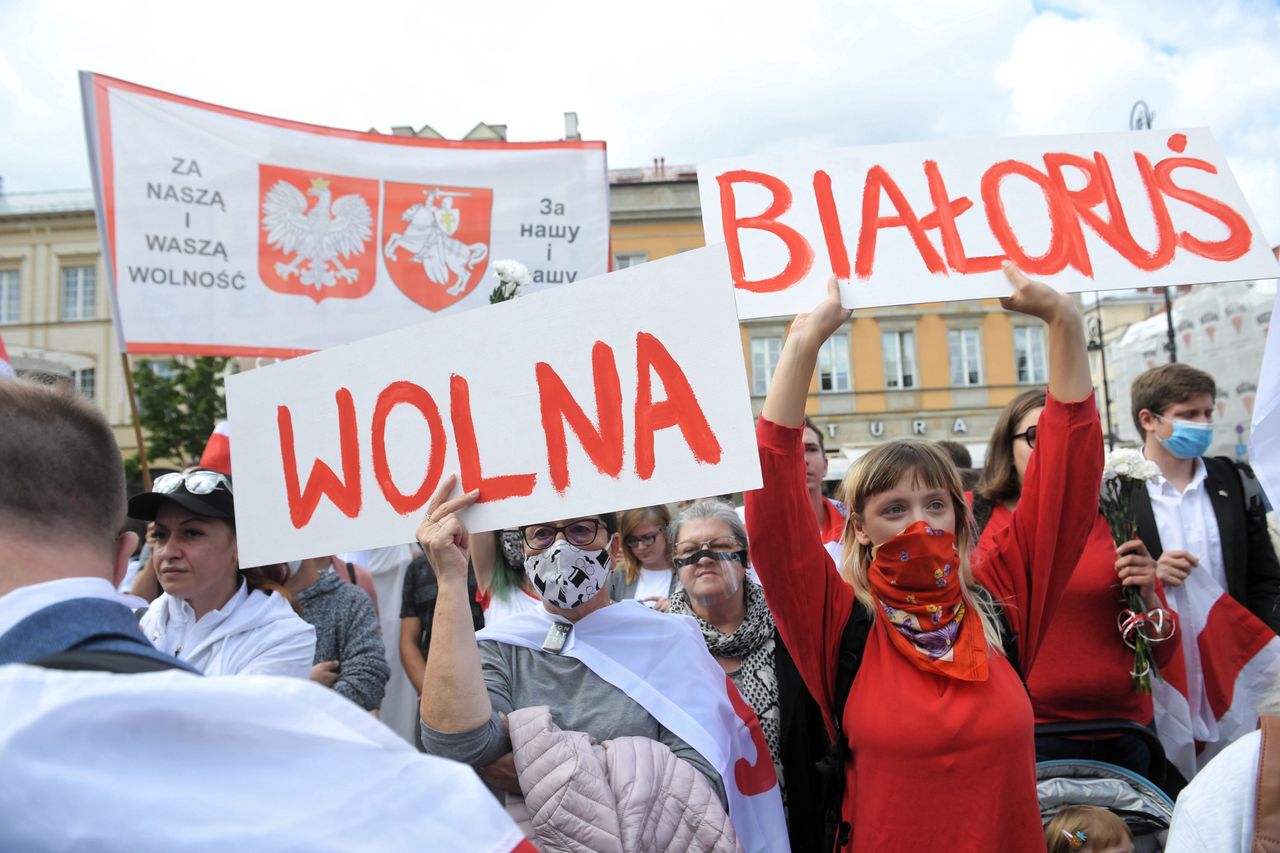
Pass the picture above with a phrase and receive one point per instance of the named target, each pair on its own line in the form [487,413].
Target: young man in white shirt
[1203,513]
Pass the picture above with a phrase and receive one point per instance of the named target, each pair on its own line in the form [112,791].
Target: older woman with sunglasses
[646,574]
[212,615]
[1083,671]
[711,557]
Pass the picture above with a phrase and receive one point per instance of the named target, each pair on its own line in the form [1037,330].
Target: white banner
[229,233]
[931,221]
[622,391]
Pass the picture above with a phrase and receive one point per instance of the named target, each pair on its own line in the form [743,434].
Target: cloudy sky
[683,80]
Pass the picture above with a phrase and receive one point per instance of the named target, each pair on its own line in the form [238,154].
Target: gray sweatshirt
[347,631]
[580,701]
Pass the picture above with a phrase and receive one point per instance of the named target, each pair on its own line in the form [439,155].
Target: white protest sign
[622,391]
[931,221]
[229,233]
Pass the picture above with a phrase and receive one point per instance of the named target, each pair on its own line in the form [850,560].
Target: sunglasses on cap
[195,483]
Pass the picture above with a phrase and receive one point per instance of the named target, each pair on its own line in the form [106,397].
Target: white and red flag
[217,450]
[1207,697]
[6,366]
[236,234]
[632,647]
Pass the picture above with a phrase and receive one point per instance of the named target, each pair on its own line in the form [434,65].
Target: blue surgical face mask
[1189,439]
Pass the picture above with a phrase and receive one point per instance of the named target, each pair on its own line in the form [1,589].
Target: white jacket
[252,633]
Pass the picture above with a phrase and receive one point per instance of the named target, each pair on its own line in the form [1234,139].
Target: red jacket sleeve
[1027,565]
[809,600]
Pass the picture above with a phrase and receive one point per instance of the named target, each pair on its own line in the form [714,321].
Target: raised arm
[789,388]
[1028,564]
[484,550]
[809,600]
[457,700]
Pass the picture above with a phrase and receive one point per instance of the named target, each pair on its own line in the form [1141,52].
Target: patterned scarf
[752,644]
[915,577]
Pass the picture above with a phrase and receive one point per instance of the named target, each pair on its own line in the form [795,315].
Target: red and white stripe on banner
[217,450]
[1207,697]
[6,366]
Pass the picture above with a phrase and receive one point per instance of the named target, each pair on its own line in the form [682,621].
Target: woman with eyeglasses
[213,615]
[1083,671]
[711,558]
[646,574]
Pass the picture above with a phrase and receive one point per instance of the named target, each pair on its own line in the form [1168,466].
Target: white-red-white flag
[1207,696]
[217,450]
[632,650]
[6,366]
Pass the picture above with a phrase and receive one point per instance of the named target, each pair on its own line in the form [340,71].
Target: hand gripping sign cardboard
[932,221]
[621,391]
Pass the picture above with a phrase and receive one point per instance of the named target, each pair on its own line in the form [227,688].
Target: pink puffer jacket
[623,795]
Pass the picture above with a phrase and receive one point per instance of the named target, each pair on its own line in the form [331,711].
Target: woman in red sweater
[1083,670]
[940,729]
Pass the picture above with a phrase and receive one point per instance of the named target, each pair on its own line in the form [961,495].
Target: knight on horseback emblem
[443,249]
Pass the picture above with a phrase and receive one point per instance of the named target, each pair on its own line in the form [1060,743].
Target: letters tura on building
[932,221]
[229,233]
[626,403]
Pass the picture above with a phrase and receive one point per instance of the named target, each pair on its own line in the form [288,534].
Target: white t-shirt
[1186,521]
[653,582]
[515,601]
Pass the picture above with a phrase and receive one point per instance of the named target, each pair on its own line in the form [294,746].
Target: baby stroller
[1138,801]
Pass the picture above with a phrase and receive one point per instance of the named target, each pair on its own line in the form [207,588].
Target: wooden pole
[137,422]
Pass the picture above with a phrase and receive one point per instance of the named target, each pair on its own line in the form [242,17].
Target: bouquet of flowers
[511,275]
[1123,471]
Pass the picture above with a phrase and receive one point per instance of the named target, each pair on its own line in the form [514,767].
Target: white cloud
[683,80]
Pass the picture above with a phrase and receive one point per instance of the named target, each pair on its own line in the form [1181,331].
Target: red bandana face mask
[915,578]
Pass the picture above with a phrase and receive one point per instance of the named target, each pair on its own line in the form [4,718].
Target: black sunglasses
[1029,435]
[578,533]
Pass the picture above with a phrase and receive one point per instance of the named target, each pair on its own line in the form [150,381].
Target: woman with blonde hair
[940,731]
[646,573]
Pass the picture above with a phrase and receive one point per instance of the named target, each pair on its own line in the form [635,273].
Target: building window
[9,296]
[1028,354]
[84,382]
[833,364]
[899,359]
[77,293]
[965,349]
[764,359]
[629,259]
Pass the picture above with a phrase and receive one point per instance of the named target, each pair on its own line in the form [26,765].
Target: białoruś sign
[932,221]
[622,391]
[229,233]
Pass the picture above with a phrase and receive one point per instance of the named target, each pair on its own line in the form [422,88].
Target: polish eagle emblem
[318,237]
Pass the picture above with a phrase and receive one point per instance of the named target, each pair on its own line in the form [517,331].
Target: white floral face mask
[566,576]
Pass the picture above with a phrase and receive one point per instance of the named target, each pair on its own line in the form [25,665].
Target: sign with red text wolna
[621,391]
[932,221]
[230,233]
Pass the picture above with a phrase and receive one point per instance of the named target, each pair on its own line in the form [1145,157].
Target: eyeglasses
[1029,435]
[578,533]
[196,483]
[647,539]
[720,546]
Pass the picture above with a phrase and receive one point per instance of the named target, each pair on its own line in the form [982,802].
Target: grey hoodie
[347,631]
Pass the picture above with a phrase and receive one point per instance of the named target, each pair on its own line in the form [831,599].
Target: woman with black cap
[212,615]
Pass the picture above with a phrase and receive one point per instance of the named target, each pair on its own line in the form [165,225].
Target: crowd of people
[860,671]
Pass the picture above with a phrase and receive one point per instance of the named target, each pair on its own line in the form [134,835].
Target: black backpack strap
[1009,640]
[351,572]
[1255,503]
[105,661]
[853,643]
